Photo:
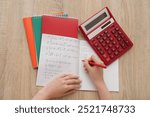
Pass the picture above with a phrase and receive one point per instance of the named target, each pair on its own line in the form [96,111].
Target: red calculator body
[105,36]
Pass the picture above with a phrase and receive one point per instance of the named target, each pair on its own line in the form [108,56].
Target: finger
[89,59]
[73,81]
[62,75]
[73,87]
[86,70]
[70,92]
[87,65]
[71,76]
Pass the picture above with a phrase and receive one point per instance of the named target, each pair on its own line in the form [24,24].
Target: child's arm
[62,85]
[96,75]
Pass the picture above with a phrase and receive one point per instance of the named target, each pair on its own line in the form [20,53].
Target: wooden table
[17,77]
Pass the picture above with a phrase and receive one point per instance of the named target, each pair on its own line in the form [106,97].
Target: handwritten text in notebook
[63,55]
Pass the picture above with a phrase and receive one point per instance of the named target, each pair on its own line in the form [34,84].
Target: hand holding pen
[93,66]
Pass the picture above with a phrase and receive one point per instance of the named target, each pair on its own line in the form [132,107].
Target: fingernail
[83,60]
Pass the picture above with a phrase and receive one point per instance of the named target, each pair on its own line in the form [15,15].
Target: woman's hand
[95,73]
[60,86]
[96,76]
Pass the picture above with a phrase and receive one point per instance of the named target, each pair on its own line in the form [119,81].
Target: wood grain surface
[17,77]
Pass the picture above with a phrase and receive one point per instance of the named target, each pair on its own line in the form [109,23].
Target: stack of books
[33,29]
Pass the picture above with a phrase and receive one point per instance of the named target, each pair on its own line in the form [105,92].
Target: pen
[95,64]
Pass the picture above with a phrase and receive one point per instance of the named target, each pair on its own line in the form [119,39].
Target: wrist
[100,84]
[42,95]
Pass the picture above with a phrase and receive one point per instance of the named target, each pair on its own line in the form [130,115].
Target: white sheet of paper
[63,55]
[111,74]
[58,55]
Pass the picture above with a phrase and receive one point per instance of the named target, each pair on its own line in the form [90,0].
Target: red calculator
[105,36]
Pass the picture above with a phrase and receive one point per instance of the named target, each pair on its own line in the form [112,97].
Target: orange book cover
[30,39]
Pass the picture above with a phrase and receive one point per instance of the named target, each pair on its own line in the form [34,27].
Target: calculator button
[106,47]
[98,37]
[122,36]
[107,41]
[112,56]
[119,32]
[118,38]
[112,26]
[114,42]
[110,45]
[107,59]
[93,41]
[116,29]
[101,52]
[113,49]
[103,44]
[127,42]
[120,49]
[111,39]
[113,31]
[116,35]
[117,46]
[102,35]
[106,32]
[101,40]
[98,48]
[108,35]
[96,44]
[104,38]
[104,55]
[109,51]
[116,52]
[123,45]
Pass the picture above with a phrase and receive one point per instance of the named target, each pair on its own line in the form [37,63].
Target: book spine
[30,40]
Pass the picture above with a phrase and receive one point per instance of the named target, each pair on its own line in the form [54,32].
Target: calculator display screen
[95,21]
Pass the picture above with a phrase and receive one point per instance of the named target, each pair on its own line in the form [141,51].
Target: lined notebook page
[111,74]
[58,55]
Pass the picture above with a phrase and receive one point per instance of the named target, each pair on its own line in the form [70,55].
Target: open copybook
[60,54]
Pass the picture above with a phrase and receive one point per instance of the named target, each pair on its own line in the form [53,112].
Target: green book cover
[37,28]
